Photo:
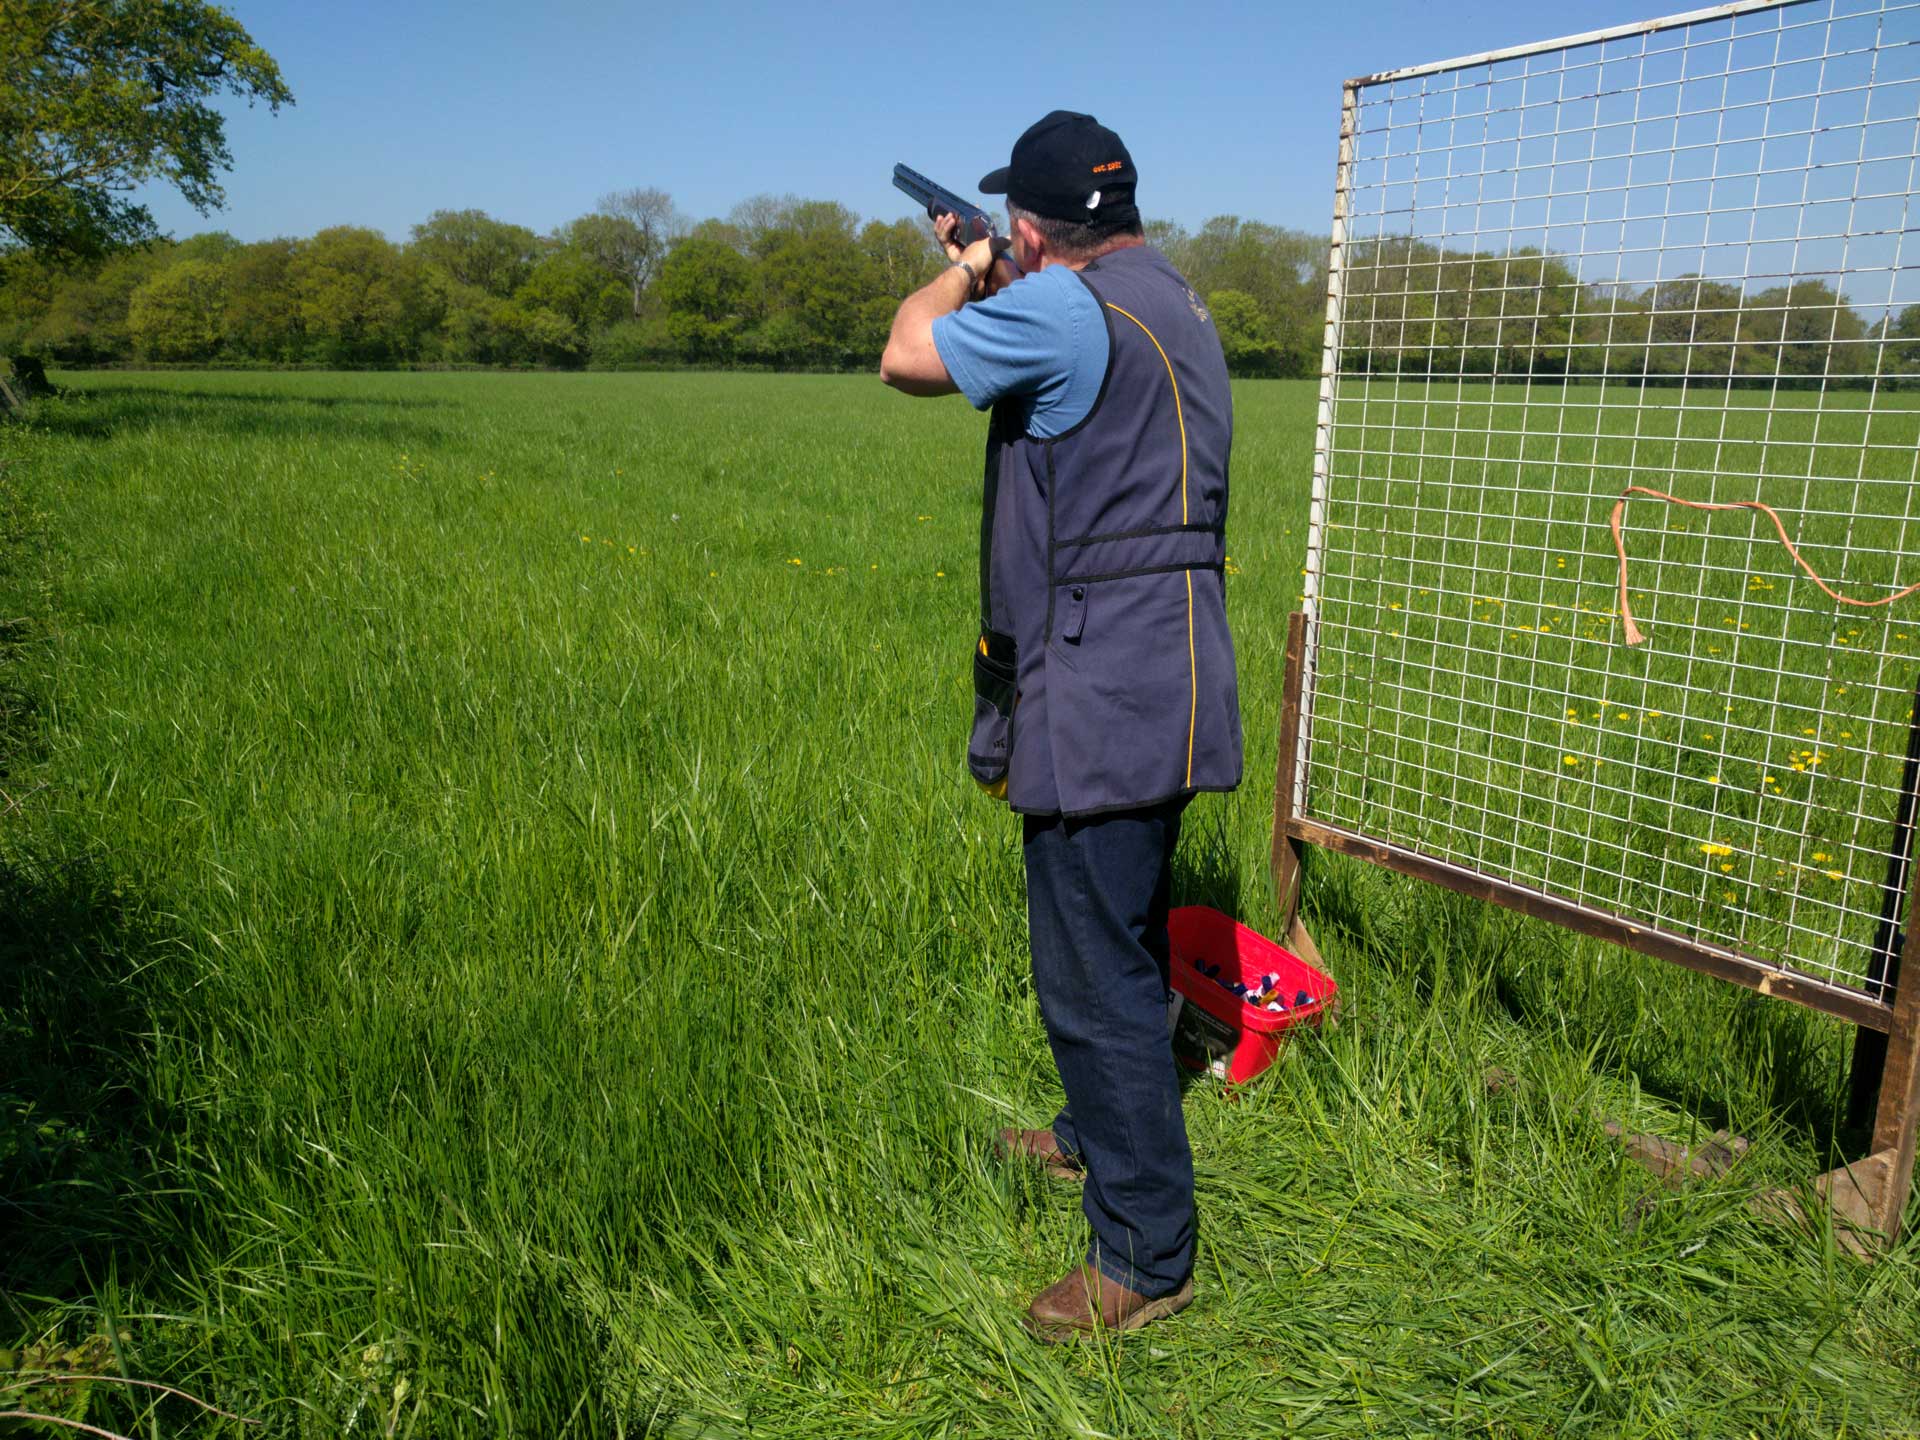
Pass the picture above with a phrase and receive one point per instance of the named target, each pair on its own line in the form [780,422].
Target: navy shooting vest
[1104,673]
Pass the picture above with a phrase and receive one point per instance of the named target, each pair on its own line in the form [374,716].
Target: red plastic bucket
[1216,1029]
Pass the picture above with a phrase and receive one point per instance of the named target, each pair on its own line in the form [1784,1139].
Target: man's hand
[911,361]
[990,258]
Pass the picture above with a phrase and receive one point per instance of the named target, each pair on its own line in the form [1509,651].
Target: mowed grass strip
[508,946]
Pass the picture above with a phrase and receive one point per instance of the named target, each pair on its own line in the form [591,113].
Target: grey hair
[1080,239]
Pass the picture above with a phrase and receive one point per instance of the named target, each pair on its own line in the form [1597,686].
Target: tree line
[789,283]
[781,282]
[1413,308]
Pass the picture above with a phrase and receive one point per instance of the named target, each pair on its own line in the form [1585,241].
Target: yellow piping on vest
[1179,414]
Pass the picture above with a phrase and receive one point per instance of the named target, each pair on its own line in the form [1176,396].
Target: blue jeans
[1097,896]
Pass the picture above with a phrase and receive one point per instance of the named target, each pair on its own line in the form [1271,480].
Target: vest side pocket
[1073,613]
[989,749]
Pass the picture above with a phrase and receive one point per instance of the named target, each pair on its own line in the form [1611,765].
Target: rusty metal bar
[1755,974]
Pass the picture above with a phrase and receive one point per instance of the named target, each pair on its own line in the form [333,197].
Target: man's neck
[1120,242]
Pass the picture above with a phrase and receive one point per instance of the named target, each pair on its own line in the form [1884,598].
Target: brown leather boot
[1083,1300]
[1041,1147]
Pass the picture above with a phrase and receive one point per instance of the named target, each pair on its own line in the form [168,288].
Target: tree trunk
[30,378]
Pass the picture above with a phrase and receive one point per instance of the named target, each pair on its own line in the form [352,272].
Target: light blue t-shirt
[1042,338]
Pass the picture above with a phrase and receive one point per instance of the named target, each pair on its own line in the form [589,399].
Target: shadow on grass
[1205,871]
[82,1139]
[268,397]
[1684,1039]
[210,415]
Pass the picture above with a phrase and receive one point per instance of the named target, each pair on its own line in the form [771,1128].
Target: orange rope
[1634,635]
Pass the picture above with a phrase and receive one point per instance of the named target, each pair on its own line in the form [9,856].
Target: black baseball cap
[1067,166]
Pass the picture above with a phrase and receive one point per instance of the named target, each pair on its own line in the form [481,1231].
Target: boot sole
[1068,1332]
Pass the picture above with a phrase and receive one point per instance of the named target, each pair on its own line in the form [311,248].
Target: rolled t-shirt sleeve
[1028,340]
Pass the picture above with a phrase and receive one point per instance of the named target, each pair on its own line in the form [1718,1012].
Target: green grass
[503,949]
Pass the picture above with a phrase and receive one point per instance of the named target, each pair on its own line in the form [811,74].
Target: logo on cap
[1110,165]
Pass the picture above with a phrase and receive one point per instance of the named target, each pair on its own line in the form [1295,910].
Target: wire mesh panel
[1679,257]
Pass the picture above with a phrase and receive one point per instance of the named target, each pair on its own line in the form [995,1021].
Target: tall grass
[508,946]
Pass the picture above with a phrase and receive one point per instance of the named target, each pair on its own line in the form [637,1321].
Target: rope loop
[1634,634]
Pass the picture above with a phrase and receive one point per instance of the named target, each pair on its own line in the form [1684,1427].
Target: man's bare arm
[911,363]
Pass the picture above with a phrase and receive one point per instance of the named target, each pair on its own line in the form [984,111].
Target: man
[1105,694]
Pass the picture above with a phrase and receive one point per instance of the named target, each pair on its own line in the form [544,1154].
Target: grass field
[496,937]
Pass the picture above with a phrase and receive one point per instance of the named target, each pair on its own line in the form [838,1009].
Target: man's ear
[1032,245]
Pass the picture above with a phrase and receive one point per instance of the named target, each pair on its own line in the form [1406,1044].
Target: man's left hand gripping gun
[975,223]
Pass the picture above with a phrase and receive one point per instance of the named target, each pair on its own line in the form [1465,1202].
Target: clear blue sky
[532,111]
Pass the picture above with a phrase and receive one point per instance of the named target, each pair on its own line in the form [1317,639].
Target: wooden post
[1899,1108]
[1286,857]
[1883,968]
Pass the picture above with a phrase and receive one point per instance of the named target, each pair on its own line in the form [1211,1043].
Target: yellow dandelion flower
[1725,868]
[1835,875]
[1821,855]
[586,539]
[1623,715]
[940,574]
[1569,759]
[1713,779]
[1729,896]
[1714,847]
[794,561]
